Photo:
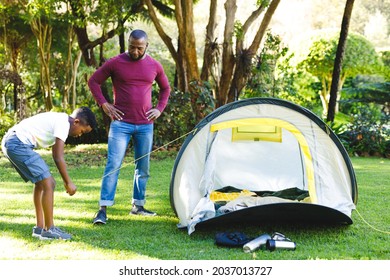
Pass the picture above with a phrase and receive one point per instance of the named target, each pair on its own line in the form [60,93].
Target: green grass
[132,237]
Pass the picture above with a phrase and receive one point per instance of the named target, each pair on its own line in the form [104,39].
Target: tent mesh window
[257,133]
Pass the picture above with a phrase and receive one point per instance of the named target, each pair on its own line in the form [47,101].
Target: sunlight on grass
[158,238]
[34,249]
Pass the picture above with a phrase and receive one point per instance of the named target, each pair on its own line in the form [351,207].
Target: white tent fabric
[307,158]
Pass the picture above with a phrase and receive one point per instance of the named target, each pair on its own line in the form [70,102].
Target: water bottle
[256,243]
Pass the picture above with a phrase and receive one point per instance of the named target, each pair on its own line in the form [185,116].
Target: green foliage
[46,10]
[205,97]
[385,58]
[368,133]
[7,120]
[179,117]
[238,32]
[274,76]
[263,2]
[364,90]
[264,81]
[366,98]
[359,58]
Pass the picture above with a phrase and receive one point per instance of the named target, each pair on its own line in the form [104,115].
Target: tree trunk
[228,62]
[121,37]
[42,32]
[75,67]
[87,47]
[185,55]
[185,22]
[84,43]
[14,43]
[14,63]
[324,96]
[244,57]
[68,70]
[211,48]
[339,60]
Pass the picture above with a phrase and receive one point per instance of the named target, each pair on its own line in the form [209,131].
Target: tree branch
[160,30]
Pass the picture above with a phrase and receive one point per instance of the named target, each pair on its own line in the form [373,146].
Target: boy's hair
[85,115]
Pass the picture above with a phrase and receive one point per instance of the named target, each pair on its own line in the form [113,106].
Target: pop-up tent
[259,160]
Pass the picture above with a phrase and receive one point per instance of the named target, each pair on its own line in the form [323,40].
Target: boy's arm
[58,156]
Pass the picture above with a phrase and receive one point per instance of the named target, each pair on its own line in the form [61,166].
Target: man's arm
[165,89]
[58,157]
[96,80]
[94,83]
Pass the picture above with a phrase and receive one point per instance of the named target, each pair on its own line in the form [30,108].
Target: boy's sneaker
[100,217]
[54,233]
[37,231]
[140,210]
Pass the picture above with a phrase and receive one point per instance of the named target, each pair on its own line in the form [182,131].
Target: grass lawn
[158,238]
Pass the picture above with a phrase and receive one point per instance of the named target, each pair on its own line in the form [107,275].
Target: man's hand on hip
[112,112]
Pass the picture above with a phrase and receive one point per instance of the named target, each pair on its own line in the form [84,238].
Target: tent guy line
[382,231]
[155,150]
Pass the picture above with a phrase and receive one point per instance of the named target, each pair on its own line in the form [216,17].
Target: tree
[108,15]
[235,59]
[359,58]
[185,55]
[244,56]
[15,34]
[334,89]
[40,14]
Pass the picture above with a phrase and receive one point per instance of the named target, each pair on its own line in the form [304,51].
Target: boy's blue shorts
[26,161]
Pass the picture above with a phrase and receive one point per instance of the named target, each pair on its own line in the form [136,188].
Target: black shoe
[140,210]
[100,218]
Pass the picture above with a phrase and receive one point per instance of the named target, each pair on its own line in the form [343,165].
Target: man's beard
[137,58]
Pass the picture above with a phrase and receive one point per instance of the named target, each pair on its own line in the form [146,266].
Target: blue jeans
[118,141]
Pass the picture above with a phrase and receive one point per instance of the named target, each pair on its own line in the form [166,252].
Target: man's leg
[118,140]
[143,140]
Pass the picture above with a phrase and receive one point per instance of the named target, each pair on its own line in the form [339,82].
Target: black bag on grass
[231,239]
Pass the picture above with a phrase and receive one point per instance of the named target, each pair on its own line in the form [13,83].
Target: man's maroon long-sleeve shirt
[132,86]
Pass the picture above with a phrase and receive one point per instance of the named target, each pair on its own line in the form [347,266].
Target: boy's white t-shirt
[42,129]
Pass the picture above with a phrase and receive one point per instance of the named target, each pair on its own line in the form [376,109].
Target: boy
[42,131]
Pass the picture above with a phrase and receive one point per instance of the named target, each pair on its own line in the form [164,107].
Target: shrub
[368,134]
[7,120]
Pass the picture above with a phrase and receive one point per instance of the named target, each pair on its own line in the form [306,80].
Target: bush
[177,119]
[368,134]
[7,120]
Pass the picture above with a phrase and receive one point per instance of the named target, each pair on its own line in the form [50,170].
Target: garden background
[49,48]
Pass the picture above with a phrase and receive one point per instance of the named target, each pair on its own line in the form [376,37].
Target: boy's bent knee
[46,183]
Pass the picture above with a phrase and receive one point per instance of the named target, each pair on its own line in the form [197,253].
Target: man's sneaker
[140,210]
[100,217]
[37,231]
[54,233]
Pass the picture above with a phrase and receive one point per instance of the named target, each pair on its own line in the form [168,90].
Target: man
[132,114]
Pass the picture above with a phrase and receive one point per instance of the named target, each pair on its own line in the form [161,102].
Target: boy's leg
[44,201]
[31,167]
[37,196]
